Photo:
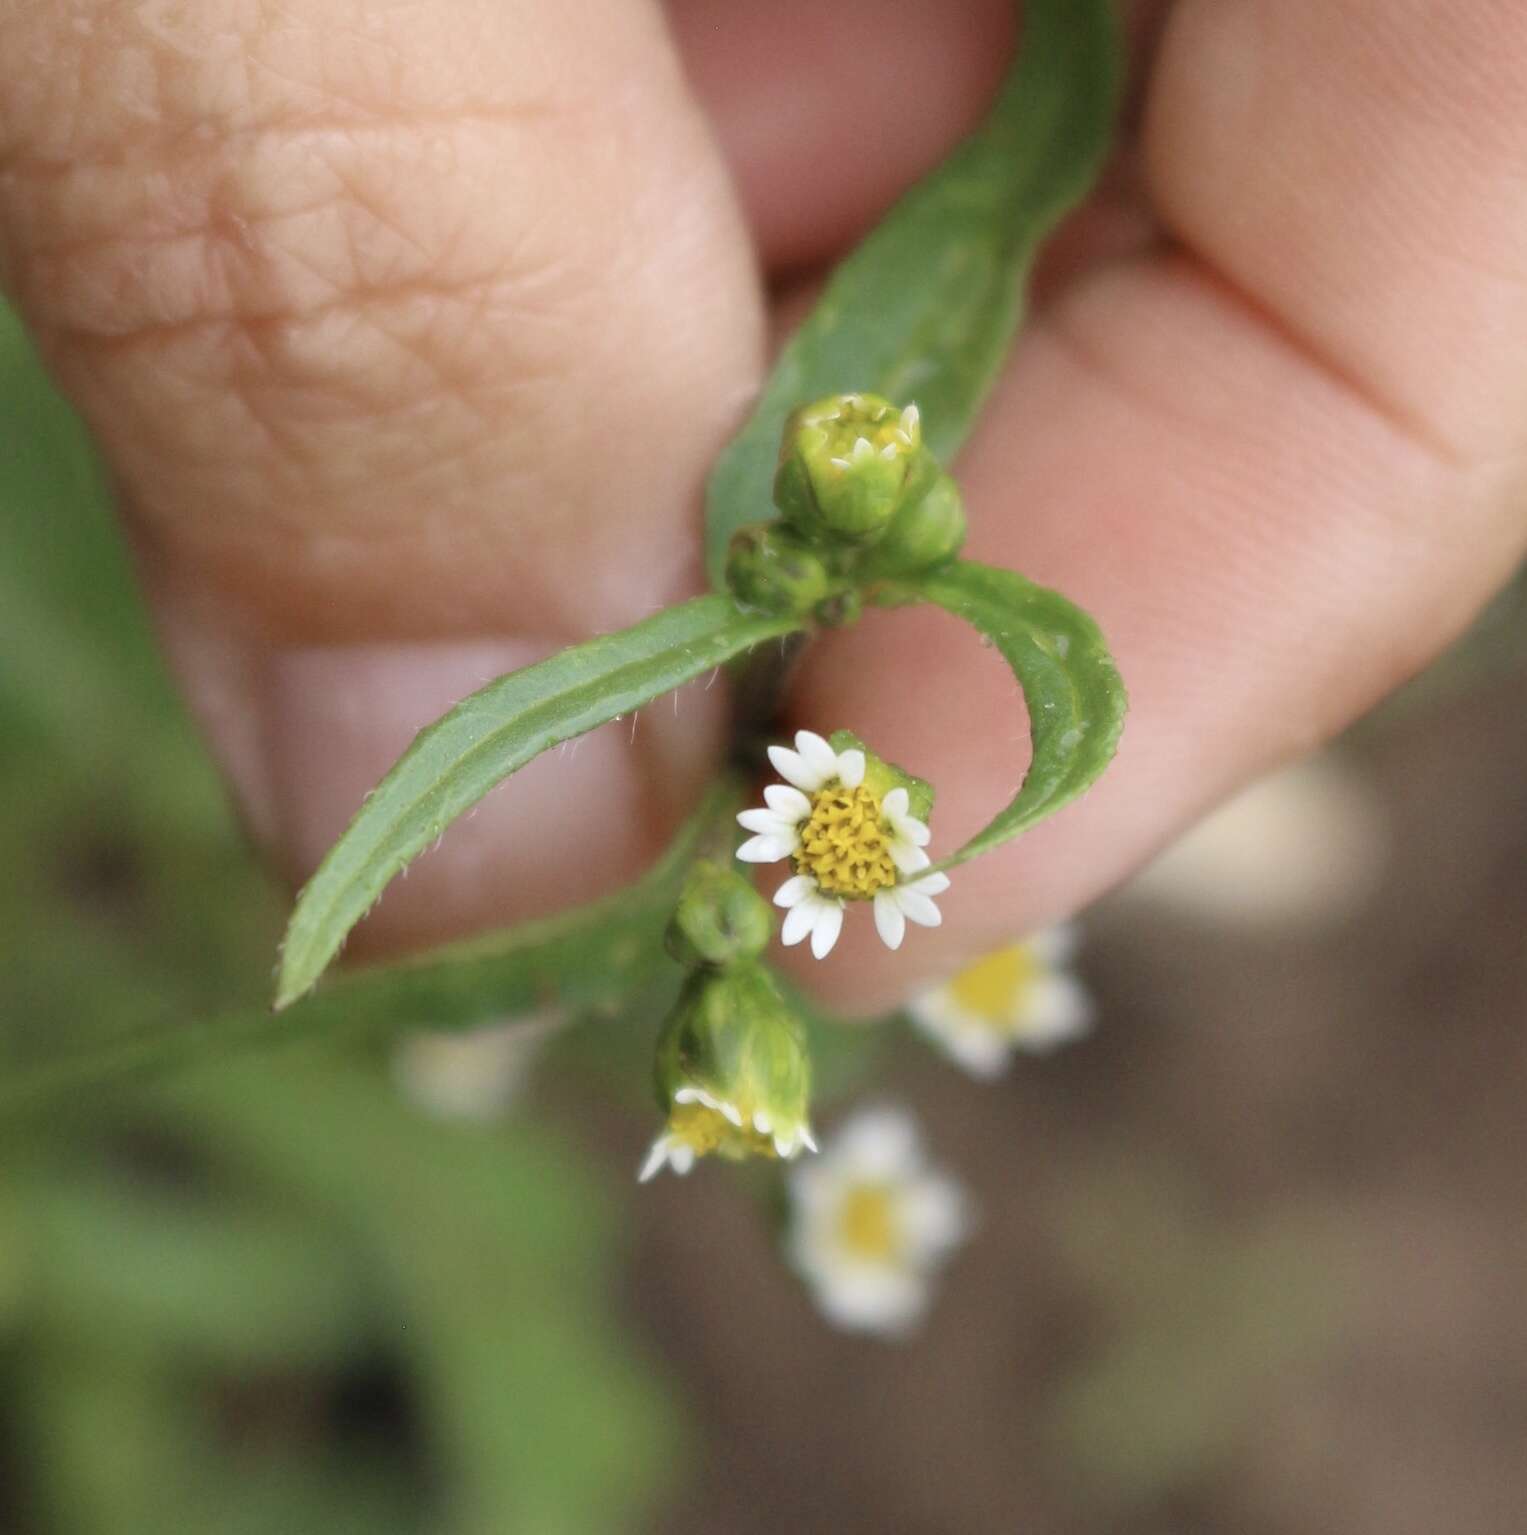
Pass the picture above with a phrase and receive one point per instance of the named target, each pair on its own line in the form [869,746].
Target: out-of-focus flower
[1300,849]
[871,1222]
[472,1074]
[846,822]
[1017,998]
[732,1073]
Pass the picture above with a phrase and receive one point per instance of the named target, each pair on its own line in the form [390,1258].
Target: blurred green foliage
[270,1296]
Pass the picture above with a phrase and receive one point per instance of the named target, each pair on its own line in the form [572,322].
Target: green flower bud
[770,567]
[732,1072]
[927,531]
[844,463]
[720,918]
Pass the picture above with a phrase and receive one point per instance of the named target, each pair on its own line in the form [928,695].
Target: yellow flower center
[845,846]
[993,987]
[867,1222]
[705,1130]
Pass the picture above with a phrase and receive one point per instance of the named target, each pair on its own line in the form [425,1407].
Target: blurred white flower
[470,1075]
[1019,997]
[870,1223]
[1299,849]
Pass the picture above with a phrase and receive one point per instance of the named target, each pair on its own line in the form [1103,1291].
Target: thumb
[408,334]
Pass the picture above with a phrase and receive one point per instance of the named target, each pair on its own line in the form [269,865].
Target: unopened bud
[720,918]
[732,1073]
[844,463]
[770,567]
[927,531]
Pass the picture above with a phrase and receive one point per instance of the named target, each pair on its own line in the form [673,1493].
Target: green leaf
[924,309]
[1076,700]
[484,739]
[594,956]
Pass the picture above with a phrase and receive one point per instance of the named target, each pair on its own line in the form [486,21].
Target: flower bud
[732,1072]
[844,463]
[720,918]
[927,531]
[770,567]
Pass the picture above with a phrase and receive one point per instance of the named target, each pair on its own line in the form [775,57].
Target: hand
[409,333]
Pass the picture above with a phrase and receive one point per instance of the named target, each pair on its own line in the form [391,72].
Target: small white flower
[847,843]
[1017,998]
[870,1223]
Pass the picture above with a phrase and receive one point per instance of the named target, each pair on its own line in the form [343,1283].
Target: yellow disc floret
[706,1130]
[845,844]
[992,987]
[867,1224]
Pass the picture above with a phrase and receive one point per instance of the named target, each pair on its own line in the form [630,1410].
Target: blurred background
[1250,1257]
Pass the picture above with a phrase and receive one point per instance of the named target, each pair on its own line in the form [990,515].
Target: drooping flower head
[1020,997]
[732,1072]
[870,1223]
[854,829]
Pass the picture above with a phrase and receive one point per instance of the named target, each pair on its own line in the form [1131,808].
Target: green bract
[880,776]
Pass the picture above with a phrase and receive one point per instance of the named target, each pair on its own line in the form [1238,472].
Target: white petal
[910,828]
[657,1157]
[765,850]
[787,803]
[761,1122]
[931,884]
[818,755]
[878,1144]
[828,925]
[808,1140]
[794,891]
[896,803]
[877,1300]
[918,907]
[800,920]
[981,1053]
[907,858]
[1055,1011]
[683,1158]
[863,449]
[792,767]
[766,822]
[935,1216]
[851,768]
[910,417]
[889,922]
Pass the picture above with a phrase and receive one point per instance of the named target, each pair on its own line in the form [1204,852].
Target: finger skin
[408,333]
[1278,478]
